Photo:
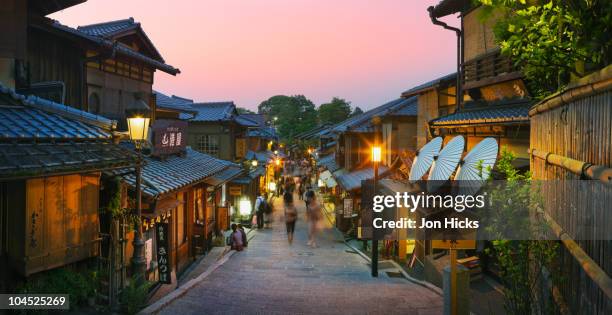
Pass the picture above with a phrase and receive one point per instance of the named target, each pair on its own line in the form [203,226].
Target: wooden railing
[487,69]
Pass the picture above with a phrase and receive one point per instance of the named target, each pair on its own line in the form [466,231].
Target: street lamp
[254,163]
[277,162]
[276,152]
[138,118]
[376,157]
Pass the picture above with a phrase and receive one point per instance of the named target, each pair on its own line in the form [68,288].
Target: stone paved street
[271,277]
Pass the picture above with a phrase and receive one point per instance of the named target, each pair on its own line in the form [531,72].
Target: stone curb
[180,291]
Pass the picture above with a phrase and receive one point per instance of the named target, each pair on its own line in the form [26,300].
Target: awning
[224,176]
[352,181]
[490,115]
[36,159]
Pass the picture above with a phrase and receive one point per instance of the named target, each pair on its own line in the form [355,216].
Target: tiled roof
[447,79]
[215,111]
[488,115]
[29,159]
[246,121]
[40,137]
[119,48]
[329,162]
[263,132]
[224,176]
[105,29]
[352,181]
[109,29]
[407,108]
[36,118]
[173,102]
[175,172]
[260,119]
[260,156]
[363,122]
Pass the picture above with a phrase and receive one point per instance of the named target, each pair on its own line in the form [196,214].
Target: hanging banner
[163,251]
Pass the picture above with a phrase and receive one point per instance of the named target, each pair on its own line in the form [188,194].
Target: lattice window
[208,144]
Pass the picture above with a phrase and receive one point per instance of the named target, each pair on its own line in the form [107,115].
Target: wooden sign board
[235,190]
[163,253]
[169,136]
[459,244]
[241,147]
[348,207]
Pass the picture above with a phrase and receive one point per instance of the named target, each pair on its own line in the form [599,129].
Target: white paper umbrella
[445,163]
[424,158]
[478,163]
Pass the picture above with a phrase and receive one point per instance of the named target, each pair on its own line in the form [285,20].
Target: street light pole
[138,259]
[138,117]
[376,158]
[374,240]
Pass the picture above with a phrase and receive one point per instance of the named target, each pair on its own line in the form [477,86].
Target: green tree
[335,111]
[356,111]
[551,41]
[294,114]
[242,110]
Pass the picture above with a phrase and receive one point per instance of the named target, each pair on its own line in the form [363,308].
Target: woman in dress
[313,211]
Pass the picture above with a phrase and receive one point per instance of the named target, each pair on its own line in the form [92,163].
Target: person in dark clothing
[290,216]
[236,238]
[245,242]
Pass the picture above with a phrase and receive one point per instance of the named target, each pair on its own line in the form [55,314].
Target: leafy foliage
[524,264]
[335,111]
[295,114]
[79,286]
[552,40]
[356,111]
[134,297]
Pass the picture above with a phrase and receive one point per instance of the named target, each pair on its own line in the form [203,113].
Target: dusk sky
[246,51]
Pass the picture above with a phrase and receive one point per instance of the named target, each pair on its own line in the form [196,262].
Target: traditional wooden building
[494,99]
[52,160]
[352,163]
[99,68]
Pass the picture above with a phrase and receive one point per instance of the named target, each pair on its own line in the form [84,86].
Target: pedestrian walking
[260,207]
[290,215]
[301,190]
[236,238]
[313,212]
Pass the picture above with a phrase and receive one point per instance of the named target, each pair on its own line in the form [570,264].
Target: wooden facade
[55,220]
[571,140]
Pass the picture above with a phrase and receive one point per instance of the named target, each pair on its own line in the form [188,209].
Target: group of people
[263,208]
[238,239]
[313,211]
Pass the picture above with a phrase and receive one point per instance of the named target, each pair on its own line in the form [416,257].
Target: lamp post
[138,119]
[376,157]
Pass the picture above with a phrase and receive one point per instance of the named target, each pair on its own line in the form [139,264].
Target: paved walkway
[271,277]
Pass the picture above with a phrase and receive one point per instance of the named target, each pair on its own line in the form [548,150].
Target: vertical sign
[348,207]
[163,263]
[241,147]
[148,252]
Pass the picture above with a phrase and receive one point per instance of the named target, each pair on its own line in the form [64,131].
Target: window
[94,103]
[208,144]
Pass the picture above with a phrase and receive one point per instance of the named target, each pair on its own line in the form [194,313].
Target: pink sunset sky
[246,51]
